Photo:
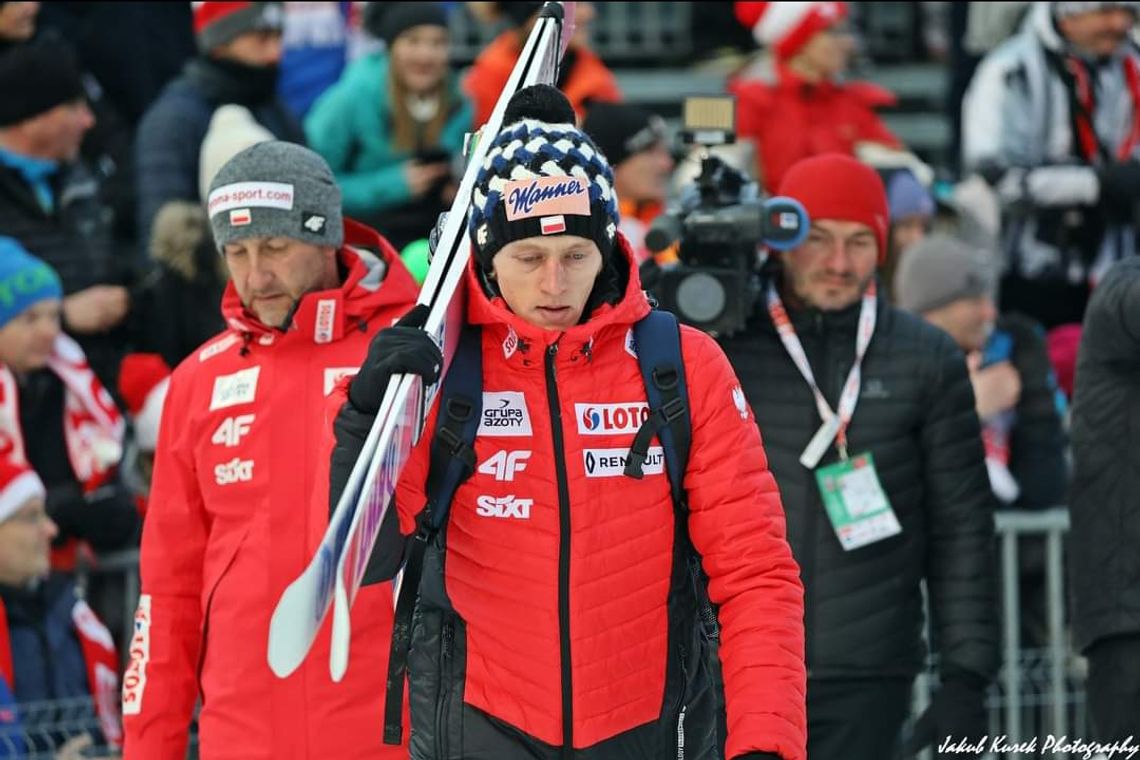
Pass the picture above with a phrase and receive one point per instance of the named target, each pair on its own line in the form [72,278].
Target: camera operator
[890,490]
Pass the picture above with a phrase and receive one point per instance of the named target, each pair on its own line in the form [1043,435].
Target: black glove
[956,711]
[1120,188]
[402,348]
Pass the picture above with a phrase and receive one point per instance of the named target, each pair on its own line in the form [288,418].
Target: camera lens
[700,297]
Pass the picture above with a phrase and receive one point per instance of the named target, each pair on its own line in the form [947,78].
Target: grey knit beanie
[276,189]
[940,270]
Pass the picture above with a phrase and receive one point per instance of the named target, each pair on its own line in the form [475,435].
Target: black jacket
[75,238]
[915,415]
[1104,543]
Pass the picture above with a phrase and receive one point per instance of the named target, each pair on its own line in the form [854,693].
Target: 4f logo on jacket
[505,464]
[503,506]
[232,430]
[234,471]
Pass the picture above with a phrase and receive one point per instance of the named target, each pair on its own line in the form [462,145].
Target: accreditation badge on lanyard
[856,504]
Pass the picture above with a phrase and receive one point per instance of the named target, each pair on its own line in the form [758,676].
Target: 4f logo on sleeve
[505,464]
[232,430]
[504,507]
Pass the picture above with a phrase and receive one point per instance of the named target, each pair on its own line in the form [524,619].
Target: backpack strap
[658,344]
[452,462]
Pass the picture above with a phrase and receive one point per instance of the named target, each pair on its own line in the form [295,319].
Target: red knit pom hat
[836,186]
[787,27]
[217,23]
[143,381]
[18,484]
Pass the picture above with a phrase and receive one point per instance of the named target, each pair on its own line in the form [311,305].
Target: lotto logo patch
[324,331]
[607,419]
[134,680]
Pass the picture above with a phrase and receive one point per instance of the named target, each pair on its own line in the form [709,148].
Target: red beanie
[836,186]
[143,380]
[786,27]
[217,23]
[18,485]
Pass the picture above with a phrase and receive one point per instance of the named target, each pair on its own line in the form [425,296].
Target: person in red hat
[799,108]
[238,61]
[56,657]
[869,425]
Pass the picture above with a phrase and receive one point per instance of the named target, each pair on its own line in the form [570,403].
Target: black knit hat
[621,130]
[542,176]
[36,77]
[387,21]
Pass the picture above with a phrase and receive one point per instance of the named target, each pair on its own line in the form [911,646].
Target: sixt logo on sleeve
[546,196]
[606,419]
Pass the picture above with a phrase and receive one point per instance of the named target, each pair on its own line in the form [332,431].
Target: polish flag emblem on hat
[552,225]
[240,217]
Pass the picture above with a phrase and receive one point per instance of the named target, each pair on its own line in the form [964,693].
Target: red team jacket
[792,119]
[501,571]
[232,521]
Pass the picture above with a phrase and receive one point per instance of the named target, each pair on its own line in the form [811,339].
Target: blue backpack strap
[452,462]
[657,339]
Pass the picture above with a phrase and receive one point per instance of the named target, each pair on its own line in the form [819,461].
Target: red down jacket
[552,554]
[231,524]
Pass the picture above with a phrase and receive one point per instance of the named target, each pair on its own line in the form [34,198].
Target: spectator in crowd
[801,108]
[889,491]
[239,51]
[564,303]
[911,208]
[49,200]
[393,125]
[583,77]
[1104,509]
[229,523]
[636,144]
[1052,121]
[143,383]
[315,49]
[56,415]
[17,23]
[57,660]
[951,286]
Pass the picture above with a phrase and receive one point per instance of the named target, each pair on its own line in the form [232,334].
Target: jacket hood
[181,240]
[632,306]
[1040,21]
[376,279]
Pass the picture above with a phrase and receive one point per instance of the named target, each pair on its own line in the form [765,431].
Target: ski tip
[283,653]
[341,635]
[551,10]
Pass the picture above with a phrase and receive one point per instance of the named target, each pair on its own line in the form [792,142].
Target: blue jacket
[351,126]
[171,133]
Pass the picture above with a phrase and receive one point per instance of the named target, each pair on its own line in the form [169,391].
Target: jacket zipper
[563,553]
[447,636]
[682,707]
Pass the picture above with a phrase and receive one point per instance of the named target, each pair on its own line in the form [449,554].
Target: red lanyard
[1086,134]
[850,393]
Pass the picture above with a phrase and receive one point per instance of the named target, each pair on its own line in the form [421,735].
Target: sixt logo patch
[546,196]
[606,419]
[610,463]
[503,507]
[504,414]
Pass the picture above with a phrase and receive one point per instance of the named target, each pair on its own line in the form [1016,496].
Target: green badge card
[856,504]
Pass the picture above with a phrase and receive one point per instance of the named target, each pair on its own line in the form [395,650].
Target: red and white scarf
[92,425]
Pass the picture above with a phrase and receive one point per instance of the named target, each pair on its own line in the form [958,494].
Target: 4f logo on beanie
[314,223]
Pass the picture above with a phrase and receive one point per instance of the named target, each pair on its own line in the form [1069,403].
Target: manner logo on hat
[546,197]
[250,194]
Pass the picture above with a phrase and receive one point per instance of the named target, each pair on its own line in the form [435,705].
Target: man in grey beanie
[237,499]
[952,286]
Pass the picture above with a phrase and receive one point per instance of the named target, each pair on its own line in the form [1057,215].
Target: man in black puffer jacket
[1105,508]
[913,501]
